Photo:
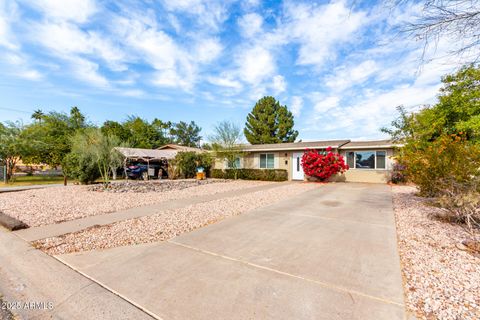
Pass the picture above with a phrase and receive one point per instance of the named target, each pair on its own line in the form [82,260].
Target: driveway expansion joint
[139,307]
[320,283]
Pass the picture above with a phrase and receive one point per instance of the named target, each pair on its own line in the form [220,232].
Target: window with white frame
[267,161]
[368,159]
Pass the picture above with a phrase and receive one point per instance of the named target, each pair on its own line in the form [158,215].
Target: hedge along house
[369,161]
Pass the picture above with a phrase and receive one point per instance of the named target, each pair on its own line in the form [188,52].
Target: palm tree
[38,115]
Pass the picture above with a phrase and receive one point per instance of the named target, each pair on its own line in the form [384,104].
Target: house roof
[296,145]
[370,144]
[147,154]
[322,144]
[178,147]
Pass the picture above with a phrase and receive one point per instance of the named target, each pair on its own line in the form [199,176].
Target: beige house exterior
[369,161]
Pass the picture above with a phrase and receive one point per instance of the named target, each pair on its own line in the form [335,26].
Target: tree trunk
[64,180]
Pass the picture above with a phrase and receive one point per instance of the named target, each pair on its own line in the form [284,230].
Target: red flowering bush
[323,166]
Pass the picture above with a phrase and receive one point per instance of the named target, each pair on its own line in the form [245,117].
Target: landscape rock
[441,279]
[53,205]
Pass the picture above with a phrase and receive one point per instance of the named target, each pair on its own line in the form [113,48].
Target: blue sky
[340,66]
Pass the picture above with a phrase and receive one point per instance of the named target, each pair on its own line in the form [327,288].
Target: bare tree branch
[456,20]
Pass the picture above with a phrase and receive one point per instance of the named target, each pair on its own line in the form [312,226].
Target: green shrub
[81,169]
[251,174]
[450,157]
[187,163]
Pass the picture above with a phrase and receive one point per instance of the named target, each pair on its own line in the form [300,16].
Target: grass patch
[33,180]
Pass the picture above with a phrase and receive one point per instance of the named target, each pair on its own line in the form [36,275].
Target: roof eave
[291,148]
[390,146]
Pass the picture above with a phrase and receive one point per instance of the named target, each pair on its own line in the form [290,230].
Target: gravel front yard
[440,280]
[53,205]
[167,224]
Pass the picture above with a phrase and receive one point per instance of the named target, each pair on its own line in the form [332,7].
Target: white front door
[297,170]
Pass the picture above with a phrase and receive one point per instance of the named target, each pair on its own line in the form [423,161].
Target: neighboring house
[179,148]
[369,161]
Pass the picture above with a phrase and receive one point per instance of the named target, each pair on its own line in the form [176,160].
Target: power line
[15,110]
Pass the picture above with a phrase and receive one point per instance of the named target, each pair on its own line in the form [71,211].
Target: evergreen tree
[270,122]
[186,134]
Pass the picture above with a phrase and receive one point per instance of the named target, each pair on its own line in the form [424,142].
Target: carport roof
[147,154]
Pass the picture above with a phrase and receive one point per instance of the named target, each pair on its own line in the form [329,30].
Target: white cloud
[66,10]
[326,104]
[250,24]
[225,81]
[30,74]
[87,71]
[67,40]
[255,64]
[346,77]
[171,78]
[143,42]
[174,22]
[321,29]
[208,50]
[249,4]
[136,93]
[296,106]
[8,13]
[176,65]
[279,84]
[208,13]
[363,117]
[19,66]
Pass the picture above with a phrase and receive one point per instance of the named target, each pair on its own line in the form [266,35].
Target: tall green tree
[186,134]
[77,119]
[441,142]
[143,134]
[459,102]
[52,138]
[115,128]
[164,128]
[457,110]
[270,122]
[12,146]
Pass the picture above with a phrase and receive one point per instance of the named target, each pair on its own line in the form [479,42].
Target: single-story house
[369,161]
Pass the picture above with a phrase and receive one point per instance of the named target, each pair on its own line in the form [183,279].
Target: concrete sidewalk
[29,276]
[330,253]
[32,187]
[52,230]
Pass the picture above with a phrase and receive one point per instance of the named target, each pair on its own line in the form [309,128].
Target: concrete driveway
[330,253]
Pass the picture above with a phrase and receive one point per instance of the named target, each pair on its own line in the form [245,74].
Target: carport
[146,155]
